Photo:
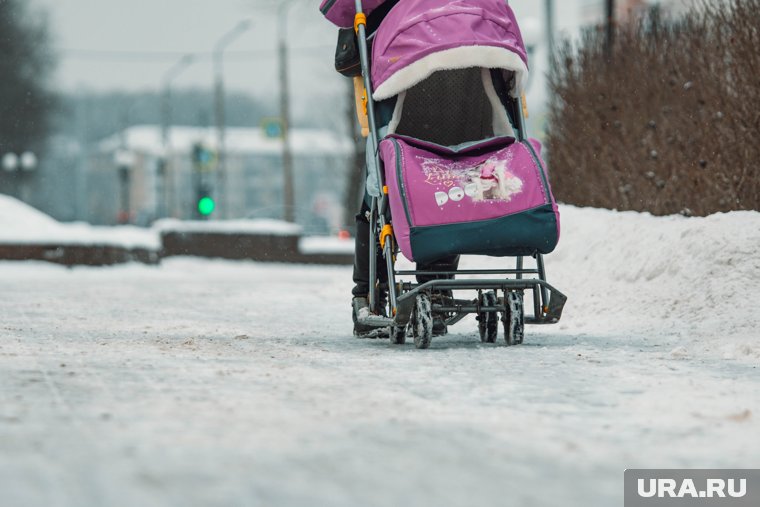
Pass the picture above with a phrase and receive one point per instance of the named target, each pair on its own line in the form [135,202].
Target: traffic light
[204,162]
[205,203]
[204,158]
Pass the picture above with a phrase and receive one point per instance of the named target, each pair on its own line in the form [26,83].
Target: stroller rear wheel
[422,321]
[514,318]
[488,322]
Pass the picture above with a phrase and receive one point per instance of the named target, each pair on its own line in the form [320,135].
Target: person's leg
[361,253]
[450,263]
[362,283]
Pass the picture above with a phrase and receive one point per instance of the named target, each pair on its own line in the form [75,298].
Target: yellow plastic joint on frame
[387,231]
[359,20]
[360,94]
[524,106]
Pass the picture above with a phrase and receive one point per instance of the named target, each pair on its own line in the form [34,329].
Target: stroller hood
[419,38]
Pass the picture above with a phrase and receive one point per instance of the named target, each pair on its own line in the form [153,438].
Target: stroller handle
[379,206]
[360,27]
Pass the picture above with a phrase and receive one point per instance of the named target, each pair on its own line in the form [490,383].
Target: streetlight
[170,75]
[17,166]
[550,28]
[10,162]
[28,161]
[219,106]
[287,156]
[610,25]
[124,161]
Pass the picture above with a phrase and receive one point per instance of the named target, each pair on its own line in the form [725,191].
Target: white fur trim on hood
[489,57]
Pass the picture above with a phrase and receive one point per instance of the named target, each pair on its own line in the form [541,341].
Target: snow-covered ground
[202,383]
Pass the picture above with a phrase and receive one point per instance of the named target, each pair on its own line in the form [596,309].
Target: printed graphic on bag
[488,181]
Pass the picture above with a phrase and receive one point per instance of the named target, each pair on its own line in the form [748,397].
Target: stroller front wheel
[514,318]
[488,322]
[422,321]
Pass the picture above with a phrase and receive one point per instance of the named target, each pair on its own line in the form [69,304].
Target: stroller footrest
[375,321]
[551,315]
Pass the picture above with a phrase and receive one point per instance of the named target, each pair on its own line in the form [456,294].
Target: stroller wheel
[398,335]
[422,321]
[514,318]
[488,322]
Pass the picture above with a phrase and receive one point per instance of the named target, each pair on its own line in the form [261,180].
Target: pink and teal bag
[487,198]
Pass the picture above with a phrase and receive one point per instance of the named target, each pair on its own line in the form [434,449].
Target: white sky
[87,30]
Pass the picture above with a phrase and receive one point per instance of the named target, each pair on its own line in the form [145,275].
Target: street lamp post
[550,28]
[19,167]
[610,25]
[166,118]
[220,110]
[124,161]
[287,156]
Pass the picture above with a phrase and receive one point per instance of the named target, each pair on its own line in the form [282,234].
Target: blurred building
[132,177]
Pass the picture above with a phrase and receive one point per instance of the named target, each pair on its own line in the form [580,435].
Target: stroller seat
[451,108]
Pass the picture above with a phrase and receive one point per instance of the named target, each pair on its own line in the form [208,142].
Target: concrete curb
[233,246]
[78,255]
[244,246]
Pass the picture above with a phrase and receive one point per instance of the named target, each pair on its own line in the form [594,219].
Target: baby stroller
[450,167]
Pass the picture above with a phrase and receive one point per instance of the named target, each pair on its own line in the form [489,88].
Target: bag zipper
[540,169]
[400,179]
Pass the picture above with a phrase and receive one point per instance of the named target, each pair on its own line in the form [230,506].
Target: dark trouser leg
[450,263]
[362,283]
[361,257]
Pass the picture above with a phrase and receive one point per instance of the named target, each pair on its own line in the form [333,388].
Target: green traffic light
[206,206]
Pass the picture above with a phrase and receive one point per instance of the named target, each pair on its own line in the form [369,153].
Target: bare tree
[665,119]
[25,67]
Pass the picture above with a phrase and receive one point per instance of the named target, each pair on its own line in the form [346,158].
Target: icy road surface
[209,383]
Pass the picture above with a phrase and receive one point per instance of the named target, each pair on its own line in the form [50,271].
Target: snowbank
[21,224]
[689,281]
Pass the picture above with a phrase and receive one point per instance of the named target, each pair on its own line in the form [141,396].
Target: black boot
[362,283]
[360,310]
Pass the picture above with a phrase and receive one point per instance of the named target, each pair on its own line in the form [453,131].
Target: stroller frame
[411,302]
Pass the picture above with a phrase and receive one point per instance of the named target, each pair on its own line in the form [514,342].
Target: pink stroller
[450,167]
